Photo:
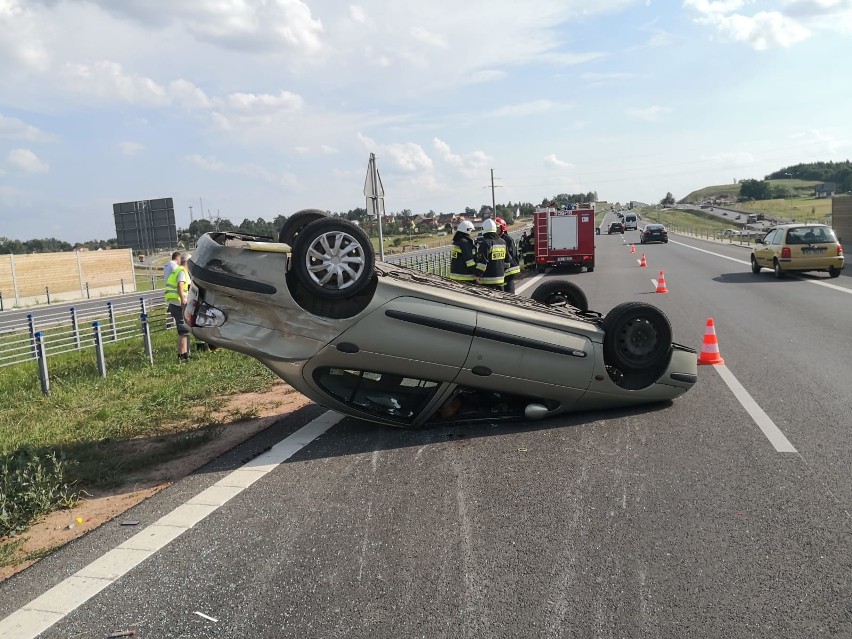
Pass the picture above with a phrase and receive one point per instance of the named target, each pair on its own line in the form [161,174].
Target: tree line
[404,222]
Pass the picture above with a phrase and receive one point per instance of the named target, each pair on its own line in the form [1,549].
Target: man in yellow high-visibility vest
[177,288]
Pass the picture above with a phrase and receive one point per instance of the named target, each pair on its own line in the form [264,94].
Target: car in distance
[631,222]
[654,233]
[790,248]
[397,346]
[615,227]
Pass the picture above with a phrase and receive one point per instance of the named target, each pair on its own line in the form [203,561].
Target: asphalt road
[680,520]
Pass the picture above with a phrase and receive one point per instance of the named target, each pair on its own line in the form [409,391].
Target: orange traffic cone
[710,348]
[632,248]
[661,283]
[642,262]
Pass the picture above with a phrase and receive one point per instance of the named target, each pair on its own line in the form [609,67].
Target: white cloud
[25,161]
[130,148]
[253,171]
[357,14]
[526,109]
[428,37]
[762,31]
[264,103]
[107,81]
[554,162]
[648,114]
[470,165]
[15,129]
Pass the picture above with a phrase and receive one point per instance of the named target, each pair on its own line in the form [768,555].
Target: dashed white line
[49,608]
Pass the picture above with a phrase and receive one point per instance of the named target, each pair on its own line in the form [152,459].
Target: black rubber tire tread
[556,291]
[301,260]
[755,267]
[638,338]
[296,222]
[833,272]
[776,266]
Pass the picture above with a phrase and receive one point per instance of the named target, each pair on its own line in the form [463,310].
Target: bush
[30,486]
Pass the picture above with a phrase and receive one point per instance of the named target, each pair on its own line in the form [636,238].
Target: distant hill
[795,188]
[798,180]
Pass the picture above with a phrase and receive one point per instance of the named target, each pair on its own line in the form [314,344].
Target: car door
[408,335]
[763,252]
[518,357]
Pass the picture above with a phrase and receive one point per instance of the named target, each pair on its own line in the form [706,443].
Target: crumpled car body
[411,349]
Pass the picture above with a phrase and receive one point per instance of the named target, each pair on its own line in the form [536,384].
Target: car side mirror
[758,241]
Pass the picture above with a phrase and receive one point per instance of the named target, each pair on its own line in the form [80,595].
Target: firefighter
[491,257]
[513,263]
[527,247]
[462,262]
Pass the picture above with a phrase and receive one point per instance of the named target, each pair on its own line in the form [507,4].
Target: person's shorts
[176,311]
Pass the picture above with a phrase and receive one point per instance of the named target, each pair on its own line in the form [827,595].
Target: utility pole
[190,215]
[493,201]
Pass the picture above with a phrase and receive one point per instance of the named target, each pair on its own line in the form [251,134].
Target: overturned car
[393,345]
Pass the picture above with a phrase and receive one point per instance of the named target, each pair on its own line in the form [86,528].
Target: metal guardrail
[77,330]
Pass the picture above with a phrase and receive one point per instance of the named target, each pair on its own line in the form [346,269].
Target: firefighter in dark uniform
[527,247]
[513,263]
[463,253]
[491,257]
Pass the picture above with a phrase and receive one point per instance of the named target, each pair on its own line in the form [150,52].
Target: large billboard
[145,225]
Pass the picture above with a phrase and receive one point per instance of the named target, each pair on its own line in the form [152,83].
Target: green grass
[86,418]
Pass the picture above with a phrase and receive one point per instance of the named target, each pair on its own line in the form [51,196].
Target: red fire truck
[565,237]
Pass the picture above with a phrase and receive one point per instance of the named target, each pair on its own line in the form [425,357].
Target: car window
[382,394]
[810,235]
[777,237]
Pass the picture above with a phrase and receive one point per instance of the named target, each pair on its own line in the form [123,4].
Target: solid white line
[772,432]
[44,611]
[834,287]
[520,289]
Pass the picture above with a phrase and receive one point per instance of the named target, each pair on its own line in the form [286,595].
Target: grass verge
[76,438]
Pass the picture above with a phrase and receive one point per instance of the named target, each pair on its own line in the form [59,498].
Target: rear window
[810,235]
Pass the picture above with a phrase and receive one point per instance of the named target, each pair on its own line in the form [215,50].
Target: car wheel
[638,338]
[296,222]
[833,272]
[755,267]
[333,258]
[776,266]
[590,269]
[559,292]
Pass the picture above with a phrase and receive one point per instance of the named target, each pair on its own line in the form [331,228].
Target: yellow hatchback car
[798,247]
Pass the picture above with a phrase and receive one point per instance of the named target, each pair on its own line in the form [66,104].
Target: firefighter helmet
[502,224]
[489,226]
[465,227]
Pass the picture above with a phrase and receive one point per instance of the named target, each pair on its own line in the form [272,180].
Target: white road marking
[44,611]
[834,287]
[772,432]
[520,289]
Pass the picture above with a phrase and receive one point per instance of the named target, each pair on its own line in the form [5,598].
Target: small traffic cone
[661,283]
[710,348]
[632,248]
[642,262]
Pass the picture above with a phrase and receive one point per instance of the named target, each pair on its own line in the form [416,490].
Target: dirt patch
[60,527]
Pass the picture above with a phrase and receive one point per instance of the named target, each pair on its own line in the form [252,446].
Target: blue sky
[264,107]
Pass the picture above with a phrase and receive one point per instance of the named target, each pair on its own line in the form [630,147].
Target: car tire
[638,339]
[295,223]
[333,258]
[590,269]
[755,267]
[558,292]
[833,272]
[776,266]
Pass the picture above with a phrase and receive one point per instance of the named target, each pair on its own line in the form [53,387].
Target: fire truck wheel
[638,339]
[559,293]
